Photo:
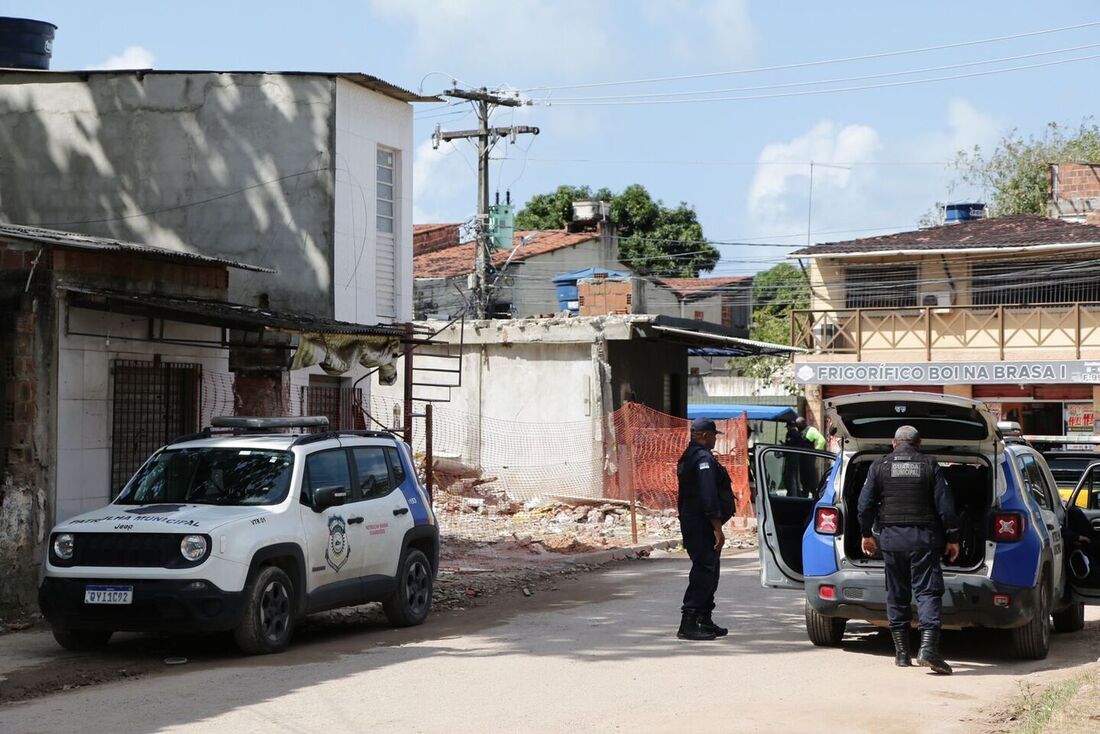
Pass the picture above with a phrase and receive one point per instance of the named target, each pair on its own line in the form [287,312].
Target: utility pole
[483,101]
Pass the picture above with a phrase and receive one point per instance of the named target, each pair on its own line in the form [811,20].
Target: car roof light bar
[263,423]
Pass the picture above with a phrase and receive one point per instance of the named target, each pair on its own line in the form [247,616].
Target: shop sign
[1037,372]
[1080,417]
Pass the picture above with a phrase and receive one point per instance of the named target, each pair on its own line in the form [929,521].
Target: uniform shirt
[814,436]
[699,477]
[909,537]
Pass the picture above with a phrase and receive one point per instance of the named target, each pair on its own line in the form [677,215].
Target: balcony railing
[1058,330]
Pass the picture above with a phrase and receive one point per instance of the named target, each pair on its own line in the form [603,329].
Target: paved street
[598,654]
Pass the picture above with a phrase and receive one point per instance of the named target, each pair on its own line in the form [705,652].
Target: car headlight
[63,546]
[194,547]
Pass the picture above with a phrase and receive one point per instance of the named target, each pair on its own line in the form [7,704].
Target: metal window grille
[876,286]
[153,403]
[1066,281]
[343,406]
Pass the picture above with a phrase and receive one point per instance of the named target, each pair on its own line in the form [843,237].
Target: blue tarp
[719,411]
[576,275]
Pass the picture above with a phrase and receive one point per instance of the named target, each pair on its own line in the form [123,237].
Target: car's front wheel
[412,599]
[1070,619]
[81,640]
[268,618]
[824,631]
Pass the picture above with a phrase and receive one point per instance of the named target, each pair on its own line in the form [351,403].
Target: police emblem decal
[338,551]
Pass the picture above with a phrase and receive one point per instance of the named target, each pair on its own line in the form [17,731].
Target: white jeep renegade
[247,530]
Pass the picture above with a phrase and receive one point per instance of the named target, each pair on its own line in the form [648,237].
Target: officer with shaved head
[907,499]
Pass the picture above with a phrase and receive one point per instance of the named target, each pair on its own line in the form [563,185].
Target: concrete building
[726,301]
[564,376]
[1003,309]
[444,260]
[307,173]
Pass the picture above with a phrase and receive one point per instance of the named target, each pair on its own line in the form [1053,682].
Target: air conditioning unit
[936,298]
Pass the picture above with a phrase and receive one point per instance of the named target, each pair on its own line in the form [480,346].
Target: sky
[881,155]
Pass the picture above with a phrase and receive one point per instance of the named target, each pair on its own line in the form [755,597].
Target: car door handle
[401,511]
[354,520]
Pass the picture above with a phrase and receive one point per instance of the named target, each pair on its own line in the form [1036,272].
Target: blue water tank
[25,43]
[965,212]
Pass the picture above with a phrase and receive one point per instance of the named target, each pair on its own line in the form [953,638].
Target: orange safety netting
[649,445]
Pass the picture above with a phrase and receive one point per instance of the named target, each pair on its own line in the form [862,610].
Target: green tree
[653,239]
[1016,173]
[776,292]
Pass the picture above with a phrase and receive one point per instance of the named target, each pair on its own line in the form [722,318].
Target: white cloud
[718,32]
[444,187]
[885,191]
[498,37]
[133,57]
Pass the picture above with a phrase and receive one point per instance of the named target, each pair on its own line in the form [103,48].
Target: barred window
[880,286]
[1019,283]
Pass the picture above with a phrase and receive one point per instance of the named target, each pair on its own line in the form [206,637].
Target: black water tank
[25,44]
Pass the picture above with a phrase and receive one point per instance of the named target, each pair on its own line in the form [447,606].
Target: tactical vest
[908,487]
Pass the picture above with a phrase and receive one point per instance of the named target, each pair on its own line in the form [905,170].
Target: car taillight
[827,520]
[828,593]
[1008,527]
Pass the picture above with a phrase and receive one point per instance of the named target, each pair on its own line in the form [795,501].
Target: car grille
[134,550]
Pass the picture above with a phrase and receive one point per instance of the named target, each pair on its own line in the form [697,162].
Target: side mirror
[326,497]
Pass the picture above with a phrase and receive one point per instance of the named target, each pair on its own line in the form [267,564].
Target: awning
[334,346]
[702,335]
[721,411]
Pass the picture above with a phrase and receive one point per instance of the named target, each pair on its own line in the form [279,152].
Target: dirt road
[597,654]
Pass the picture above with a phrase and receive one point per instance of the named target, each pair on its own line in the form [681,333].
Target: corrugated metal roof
[78,241]
[367,81]
[56,238]
[220,313]
[1018,231]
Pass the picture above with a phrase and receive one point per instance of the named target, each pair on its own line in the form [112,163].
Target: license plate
[108,594]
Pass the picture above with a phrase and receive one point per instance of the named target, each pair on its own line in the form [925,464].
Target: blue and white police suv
[1012,571]
[247,530]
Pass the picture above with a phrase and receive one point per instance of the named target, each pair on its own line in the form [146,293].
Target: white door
[385,509]
[789,482]
[1086,500]
[334,537]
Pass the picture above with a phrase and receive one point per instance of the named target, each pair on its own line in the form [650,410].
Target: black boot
[929,655]
[690,629]
[706,622]
[901,648]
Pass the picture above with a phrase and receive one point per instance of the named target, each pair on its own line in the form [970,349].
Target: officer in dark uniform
[907,495]
[705,503]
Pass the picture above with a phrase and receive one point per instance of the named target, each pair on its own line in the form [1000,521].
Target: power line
[805,64]
[735,163]
[809,92]
[863,77]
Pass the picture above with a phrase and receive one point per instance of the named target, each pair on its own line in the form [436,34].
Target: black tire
[824,631]
[412,599]
[1032,641]
[1070,619]
[81,640]
[267,622]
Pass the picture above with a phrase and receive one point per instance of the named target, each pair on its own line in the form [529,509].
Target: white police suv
[247,529]
[1012,571]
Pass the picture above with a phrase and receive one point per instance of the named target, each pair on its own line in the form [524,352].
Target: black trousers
[909,573]
[698,535]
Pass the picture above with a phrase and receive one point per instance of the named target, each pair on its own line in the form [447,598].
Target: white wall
[364,121]
[84,396]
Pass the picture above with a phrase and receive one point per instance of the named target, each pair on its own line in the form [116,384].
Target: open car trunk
[970,479]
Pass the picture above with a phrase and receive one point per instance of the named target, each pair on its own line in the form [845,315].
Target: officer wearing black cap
[907,496]
[705,503]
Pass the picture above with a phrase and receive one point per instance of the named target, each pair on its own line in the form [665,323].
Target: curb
[599,558]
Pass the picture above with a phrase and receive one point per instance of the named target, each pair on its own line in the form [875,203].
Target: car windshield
[212,476]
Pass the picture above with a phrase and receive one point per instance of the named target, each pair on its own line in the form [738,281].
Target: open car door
[789,481]
[1084,506]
